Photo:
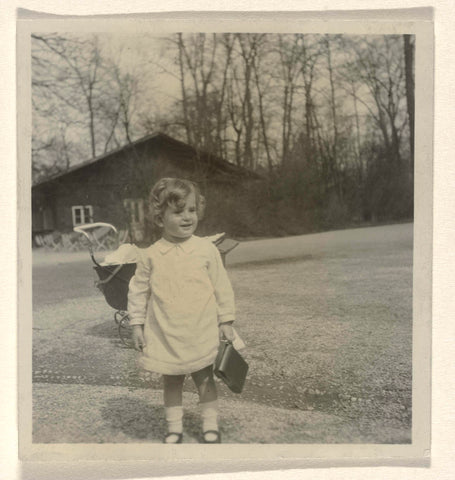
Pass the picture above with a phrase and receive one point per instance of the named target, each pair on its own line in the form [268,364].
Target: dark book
[231,367]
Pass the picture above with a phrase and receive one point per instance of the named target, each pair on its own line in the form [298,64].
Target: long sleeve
[223,289]
[139,291]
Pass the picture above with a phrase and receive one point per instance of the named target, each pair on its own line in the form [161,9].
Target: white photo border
[418,22]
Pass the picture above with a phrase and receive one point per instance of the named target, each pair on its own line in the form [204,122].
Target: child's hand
[227,332]
[138,337]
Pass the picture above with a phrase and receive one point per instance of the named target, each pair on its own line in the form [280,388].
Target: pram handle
[89,226]
[85,230]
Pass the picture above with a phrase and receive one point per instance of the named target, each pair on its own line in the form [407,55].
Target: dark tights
[203,379]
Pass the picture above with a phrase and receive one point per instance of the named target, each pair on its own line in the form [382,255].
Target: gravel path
[328,332]
[110,414]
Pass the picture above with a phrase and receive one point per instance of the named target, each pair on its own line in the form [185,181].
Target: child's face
[180,223]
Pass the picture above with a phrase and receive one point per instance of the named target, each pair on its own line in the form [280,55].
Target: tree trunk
[262,117]
[189,137]
[410,88]
[333,153]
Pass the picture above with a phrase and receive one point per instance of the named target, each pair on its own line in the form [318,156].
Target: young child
[180,303]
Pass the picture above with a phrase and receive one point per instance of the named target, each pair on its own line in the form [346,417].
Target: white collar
[165,246]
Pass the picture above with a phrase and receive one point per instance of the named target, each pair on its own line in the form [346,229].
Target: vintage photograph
[222,234]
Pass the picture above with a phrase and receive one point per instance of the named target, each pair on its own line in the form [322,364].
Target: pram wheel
[124,328]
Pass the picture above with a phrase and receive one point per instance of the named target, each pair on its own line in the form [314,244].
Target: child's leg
[205,384]
[173,386]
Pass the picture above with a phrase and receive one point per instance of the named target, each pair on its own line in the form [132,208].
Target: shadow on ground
[134,417]
[107,329]
[140,420]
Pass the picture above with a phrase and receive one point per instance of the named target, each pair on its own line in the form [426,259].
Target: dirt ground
[327,319]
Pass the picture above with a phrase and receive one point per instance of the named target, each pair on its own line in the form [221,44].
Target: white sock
[209,413]
[174,417]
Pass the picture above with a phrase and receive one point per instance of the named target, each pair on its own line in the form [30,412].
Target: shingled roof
[220,164]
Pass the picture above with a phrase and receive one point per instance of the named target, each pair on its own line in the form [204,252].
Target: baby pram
[113,279]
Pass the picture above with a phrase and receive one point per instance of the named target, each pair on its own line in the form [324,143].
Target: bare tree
[120,106]
[332,151]
[72,79]
[197,59]
[227,40]
[262,86]
[78,75]
[409,44]
[248,50]
[309,57]
[381,69]
[289,51]
[235,116]
[53,154]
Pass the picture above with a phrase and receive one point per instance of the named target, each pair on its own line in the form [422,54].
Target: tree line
[327,120]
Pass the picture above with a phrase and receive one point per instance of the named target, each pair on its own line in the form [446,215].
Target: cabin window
[82,214]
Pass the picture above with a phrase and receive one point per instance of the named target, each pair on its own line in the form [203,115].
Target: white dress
[180,293]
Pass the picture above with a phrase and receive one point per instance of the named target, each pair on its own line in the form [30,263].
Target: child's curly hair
[173,192]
